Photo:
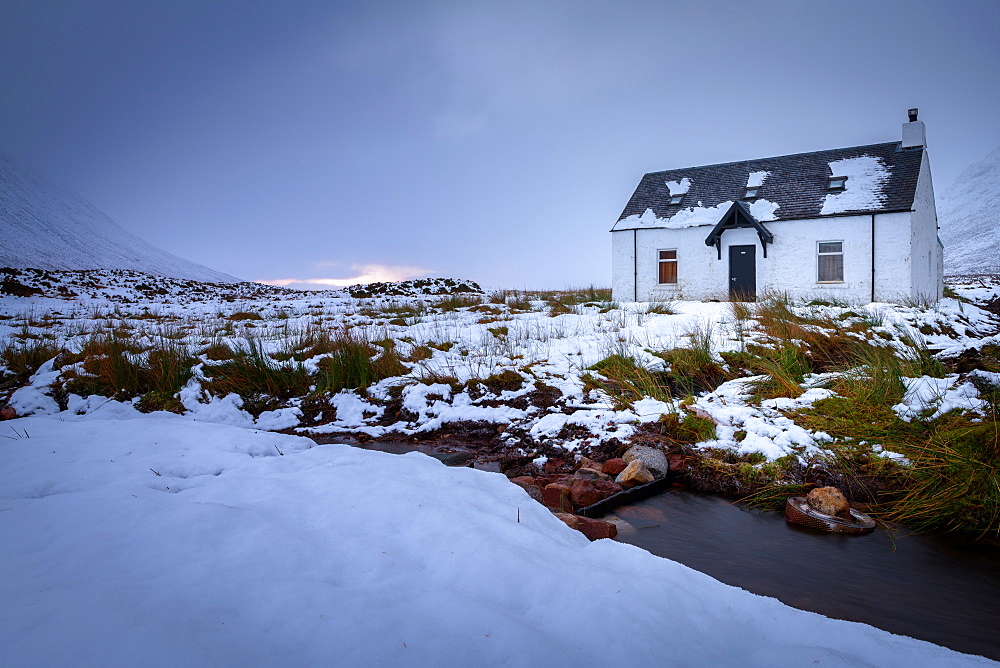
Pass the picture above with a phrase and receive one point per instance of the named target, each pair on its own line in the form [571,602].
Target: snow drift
[47,228]
[157,540]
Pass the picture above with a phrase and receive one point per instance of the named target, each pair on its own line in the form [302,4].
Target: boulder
[635,474]
[588,492]
[829,501]
[614,466]
[557,496]
[592,529]
[8,413]
[652,458]
[588,463]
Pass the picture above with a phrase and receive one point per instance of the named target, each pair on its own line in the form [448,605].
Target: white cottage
[857,224]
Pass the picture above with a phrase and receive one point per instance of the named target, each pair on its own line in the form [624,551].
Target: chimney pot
[914,133]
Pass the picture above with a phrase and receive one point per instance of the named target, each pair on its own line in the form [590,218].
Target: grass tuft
[356,363]
[24,357]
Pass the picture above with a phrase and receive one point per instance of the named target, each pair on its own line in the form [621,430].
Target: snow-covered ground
[133,538]
[548,351]
[153,539]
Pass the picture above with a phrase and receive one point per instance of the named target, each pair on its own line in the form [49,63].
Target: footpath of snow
[158,540]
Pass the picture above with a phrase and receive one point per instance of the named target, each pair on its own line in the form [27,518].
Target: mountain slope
[969,216]
[44,227]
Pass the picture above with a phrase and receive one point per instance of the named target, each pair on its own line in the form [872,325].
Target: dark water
[932,588]
[449,454]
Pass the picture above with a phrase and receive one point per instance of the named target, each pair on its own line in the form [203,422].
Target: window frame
[820,254]
[676,199]
[751,194]
[660,261]
[837,188]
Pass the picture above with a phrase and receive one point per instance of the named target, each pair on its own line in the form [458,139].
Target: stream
[928,587]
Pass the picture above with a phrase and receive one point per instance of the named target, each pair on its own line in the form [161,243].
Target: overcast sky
[497,141]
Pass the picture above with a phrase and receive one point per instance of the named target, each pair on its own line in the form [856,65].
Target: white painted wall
[791,265]
[927,275]
[893,269]
[622,285]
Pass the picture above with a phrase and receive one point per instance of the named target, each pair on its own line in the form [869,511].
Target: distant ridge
[45,227]
[969,216]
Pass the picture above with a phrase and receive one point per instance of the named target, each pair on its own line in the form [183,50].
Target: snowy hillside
[48,228]
[969,215]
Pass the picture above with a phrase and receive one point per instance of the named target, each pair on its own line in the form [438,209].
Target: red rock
[614,466]
[554,464]
[597,529]
[525,481]
[588,492]
[592,529]
[529,485]
[8,413]
[587,463]
[557,496]
[546,479]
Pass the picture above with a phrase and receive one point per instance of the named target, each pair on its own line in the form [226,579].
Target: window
[668,266]
[830,261]
[837,183]
[751,194]
[676,199]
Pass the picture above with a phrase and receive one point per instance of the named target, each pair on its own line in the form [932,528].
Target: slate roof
[797,183]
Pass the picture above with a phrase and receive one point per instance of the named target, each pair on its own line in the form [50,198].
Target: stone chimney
[914,133]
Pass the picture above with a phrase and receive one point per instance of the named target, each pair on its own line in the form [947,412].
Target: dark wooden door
[743,273]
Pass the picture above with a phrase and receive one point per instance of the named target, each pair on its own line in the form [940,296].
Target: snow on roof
[798,184]
[864,189]
[679,187]
[695,216]
[763,210]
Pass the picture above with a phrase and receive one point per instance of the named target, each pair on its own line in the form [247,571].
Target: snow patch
[763,210]
[866,177]
[679,187]
[940,394]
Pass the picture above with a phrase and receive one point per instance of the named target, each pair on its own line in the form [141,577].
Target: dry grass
[122,369]
[357,363]
[23,358]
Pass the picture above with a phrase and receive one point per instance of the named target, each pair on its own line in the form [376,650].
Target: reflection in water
[930,588]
